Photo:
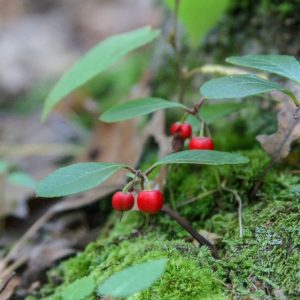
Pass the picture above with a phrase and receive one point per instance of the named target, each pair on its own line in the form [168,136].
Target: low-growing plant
[201,148]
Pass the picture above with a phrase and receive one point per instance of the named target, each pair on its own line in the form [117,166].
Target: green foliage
[4,166]
[22,179]
[80,289]
[135,108]
[199,16]
[237,86]
[268,254]
[205,157]
[284,65]
[76,178]
[212,113]
[133,279]
[188,273]
[96,61]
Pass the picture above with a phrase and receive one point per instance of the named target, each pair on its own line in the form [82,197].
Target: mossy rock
[266,260]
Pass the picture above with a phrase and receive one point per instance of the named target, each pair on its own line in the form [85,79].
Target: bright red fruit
[122,201]
[175,127]
[185,130]
[150,201]
[201,143]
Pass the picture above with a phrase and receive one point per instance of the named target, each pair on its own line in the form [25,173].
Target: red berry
[185,130]
[122,201]
[150,201]
[175,128]
[201,143]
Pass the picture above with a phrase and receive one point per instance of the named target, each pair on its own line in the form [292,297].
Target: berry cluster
[148,201]
[184,131]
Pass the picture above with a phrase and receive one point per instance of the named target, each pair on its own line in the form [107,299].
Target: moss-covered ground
[263,264]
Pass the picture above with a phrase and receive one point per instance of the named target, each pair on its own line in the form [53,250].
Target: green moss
[189,272]
[268,255]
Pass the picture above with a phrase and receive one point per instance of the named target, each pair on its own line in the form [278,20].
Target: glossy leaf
[133,279]
[199,16]
[96,61]
[284,65]
[80,289]
[76,178]
[22,179]
[135,108]
[203,157]
[237,86]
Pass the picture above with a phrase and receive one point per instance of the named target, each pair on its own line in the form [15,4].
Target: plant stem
[132,170]
[292,96]
[174,44]
[201,196]
[240,208]
[185,224]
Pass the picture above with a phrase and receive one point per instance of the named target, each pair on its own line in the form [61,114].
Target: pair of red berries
[148,201]
[184,131]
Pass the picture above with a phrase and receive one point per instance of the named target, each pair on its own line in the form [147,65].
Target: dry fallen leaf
[210,236]
[278,145]
[8,287]
[33,148]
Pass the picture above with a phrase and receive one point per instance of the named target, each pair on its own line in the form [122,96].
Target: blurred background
[40,40]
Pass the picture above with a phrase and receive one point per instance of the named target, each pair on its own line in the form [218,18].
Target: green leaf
[133,279]
[4,166]
[284,65]
[96,61]
[80,289]
[214,112]
[202,157]
[76,178]
[199,16]
[23,179]
[237,86]
[135,108]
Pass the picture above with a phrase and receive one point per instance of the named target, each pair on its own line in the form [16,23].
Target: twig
[240,208]
[185,224]
[6,282]
[14,266]
[27,236]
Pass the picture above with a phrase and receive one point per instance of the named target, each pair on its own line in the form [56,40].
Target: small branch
[6,282]
[132,170]
[185,224]
[149,170]
[240,208]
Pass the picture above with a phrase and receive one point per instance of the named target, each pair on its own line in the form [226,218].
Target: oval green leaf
[133,279]
[214,112]
[4,166]
[284,65]
[96,61]
[80,289]
[22,179]
[135,108]
[203,157]
[199,16]
[237,86]
[76,178]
